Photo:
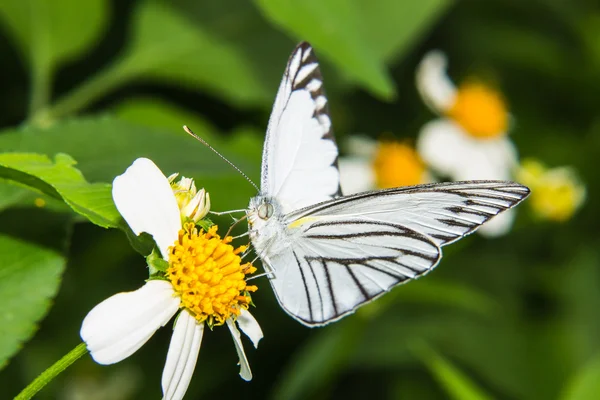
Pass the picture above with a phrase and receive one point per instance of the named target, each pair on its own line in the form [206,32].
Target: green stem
[45,377]
[100,84]
[40,90]
[41,68]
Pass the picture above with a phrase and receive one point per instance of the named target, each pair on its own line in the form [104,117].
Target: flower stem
[85,94]
[45,377]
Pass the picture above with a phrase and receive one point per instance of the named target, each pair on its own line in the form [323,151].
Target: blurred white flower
[202,275]
[379,165]
[469,141]
[556,193]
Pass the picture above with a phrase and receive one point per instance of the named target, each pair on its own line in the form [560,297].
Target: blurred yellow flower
[397,164]
[380,165]
[469,140]
[480,110]
[556,193]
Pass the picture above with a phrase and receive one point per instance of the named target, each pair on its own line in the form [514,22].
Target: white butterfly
[328,254]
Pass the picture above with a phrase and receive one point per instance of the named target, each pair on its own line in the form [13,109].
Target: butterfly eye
[265,211]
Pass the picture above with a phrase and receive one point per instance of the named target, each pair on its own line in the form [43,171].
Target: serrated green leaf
[585,383]
[60,179]
[104,148]
[29,278]
[456,384]
[336,30]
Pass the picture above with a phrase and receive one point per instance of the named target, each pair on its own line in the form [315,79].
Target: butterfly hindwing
[337,265]
[300,151]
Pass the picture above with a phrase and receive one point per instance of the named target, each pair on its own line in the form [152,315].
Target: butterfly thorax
[266,226]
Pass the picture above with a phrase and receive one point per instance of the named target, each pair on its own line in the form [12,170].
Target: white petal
[356,175]
[445,146]
[182,356]
[250,327]
[433,83]
[498,225]
[441,145]
[145,199]
[245,372]
[121,324]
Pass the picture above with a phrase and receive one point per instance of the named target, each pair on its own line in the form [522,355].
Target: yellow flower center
[207,273]
[555,194]
[480,110]
[397,164]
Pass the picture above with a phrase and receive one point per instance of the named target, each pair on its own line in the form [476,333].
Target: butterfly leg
[227,212]
[241,236]
[269,274]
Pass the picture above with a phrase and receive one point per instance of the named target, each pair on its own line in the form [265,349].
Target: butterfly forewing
[444,212]
[299,150]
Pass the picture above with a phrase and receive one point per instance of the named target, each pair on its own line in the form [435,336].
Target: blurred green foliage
[90,86]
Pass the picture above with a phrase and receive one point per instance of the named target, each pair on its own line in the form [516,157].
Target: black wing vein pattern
[361,268]
[359,247]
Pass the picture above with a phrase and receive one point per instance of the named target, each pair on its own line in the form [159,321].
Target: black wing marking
[338,266]
[302,75]
[444,212]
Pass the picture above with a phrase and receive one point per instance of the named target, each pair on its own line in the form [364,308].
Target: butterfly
[328,254]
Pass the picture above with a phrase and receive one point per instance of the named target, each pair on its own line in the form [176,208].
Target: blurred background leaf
[51,33]
[334,28]
[456,383]
[585,384]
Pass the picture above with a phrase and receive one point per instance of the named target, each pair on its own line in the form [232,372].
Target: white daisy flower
[203,278]
[379,165]
[469,141]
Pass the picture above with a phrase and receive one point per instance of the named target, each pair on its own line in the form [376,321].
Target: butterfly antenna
[204,142]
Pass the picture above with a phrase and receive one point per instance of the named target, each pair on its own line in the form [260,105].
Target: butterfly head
[264,220]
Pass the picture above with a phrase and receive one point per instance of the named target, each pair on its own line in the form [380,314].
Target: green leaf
[392,26]
[168,47]
[455,382]
[585,383]
[50,33]
[29,278]
[165,45]
[159,114]
[61,180]
[335,29]
[104,147]
[56,31]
